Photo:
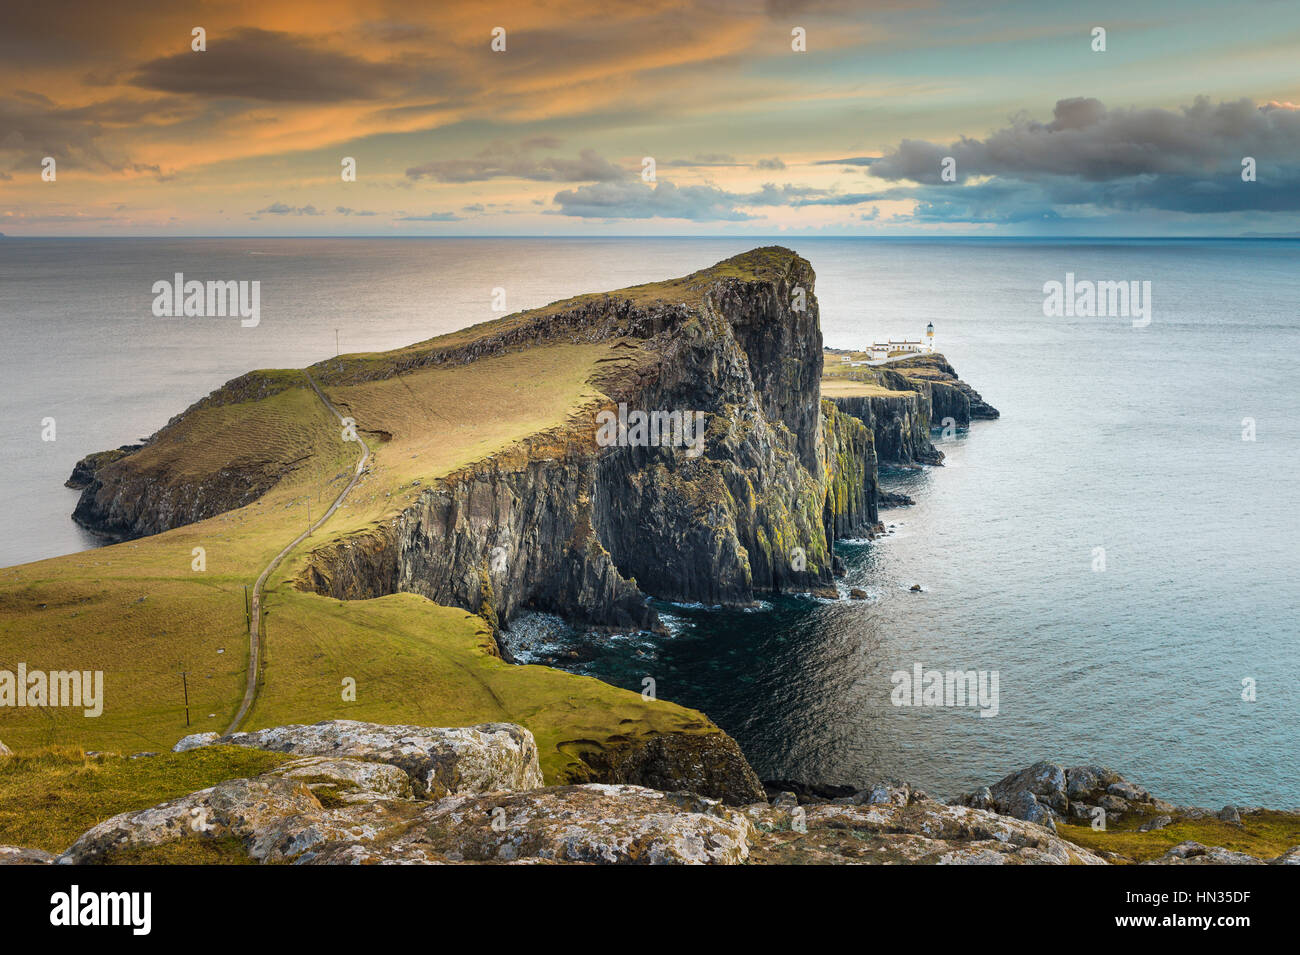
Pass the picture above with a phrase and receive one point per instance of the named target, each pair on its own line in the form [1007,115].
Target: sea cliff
[537,513]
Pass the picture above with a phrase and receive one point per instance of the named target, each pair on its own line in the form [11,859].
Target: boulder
[1088,782]
[489,757]
[1290,857]
[237,808]
[710,764]
[1229,814]
[5,750]
[1159,822]
[594,823]
[1129,792]
[921,832]
[1025,805]
[1067,793]
[17,855]
[1193,853]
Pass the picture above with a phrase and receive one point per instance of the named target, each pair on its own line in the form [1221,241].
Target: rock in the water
[439,761]
[857,593]
[893,499]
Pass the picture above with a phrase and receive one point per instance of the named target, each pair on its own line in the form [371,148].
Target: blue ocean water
[1112,436]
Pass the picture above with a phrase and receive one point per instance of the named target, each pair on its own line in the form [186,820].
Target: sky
[824,117]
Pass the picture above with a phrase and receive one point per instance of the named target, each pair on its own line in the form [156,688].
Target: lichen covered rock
[473,759]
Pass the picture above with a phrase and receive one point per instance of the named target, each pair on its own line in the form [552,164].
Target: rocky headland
[794,438]
[557,522]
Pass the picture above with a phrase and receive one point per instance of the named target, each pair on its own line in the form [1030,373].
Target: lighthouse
[929,337]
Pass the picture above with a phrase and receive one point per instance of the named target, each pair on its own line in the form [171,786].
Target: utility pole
[185,683]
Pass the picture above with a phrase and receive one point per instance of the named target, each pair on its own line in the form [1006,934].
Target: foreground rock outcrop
[361,793]
[437,761]
[368,794]
[1046,791]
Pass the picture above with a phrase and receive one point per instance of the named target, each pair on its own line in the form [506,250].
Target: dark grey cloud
[255,64]
[1187,160]
[33,127]
[773,163]
[509,161]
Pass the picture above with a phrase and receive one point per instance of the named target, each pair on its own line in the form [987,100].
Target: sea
[1119,548]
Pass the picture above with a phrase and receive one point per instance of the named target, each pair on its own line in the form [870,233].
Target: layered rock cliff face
[900,426]
[913,396]
[562,524]
[947,390]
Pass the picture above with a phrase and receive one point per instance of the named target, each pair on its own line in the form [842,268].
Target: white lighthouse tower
[929,337]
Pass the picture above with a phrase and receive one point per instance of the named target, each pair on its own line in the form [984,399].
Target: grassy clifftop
[148,610]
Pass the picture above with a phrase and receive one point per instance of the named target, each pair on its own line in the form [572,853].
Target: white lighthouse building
[883,351]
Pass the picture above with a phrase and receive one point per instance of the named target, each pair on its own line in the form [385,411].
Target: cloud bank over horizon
[669,117]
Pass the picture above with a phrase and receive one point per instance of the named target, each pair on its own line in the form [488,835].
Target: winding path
[255,617]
